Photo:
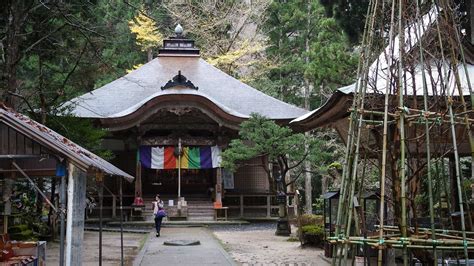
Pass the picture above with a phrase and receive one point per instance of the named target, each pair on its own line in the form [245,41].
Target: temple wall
[251,179]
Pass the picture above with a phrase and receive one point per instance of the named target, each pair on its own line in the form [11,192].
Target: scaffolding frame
[423,77]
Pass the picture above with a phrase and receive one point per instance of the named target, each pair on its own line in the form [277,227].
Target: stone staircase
[147,214]
[200,208]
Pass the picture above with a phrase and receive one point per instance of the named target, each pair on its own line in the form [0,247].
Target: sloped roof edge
[81,157]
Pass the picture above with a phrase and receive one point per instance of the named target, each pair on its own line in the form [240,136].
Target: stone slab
[209,252]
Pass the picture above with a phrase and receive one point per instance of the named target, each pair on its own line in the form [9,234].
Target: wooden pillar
[138,174]
[241,205]
[76,204]
[269,206]
[453,185]
[7,193]
[218,199]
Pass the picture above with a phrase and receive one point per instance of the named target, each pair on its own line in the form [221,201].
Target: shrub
[311,229]
[310,219]
[312,235]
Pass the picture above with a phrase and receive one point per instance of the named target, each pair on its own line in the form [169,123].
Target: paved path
[210,252]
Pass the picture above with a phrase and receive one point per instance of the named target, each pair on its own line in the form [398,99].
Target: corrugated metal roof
[126,94]
[79,156]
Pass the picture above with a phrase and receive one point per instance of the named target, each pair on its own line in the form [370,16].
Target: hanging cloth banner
[203,157]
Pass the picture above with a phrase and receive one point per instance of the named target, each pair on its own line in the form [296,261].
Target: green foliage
[315,230]
[82,132]
[27,223]
[306,46]
[310,219]
[311,229]
[21,232]
[276,145]
[350,15]
[311,234]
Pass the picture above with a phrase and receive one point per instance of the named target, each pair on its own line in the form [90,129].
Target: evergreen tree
[350,15]
[309,50]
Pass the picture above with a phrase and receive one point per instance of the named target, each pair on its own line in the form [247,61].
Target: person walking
[159,213]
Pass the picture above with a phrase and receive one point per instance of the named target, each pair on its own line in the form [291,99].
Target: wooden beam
[76,204]
[173,141]
[187,126]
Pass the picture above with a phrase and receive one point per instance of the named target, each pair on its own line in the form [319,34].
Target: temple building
[170,119]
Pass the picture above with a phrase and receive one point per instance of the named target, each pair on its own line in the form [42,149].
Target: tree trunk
[307,93]
[149,54]
[12,53]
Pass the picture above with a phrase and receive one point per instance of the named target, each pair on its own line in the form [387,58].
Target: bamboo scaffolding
[427,135]
[436,120]
[362,65]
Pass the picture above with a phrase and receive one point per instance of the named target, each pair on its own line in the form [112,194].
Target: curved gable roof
[127,94]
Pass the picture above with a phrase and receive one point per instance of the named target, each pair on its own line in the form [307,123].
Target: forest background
[297,51]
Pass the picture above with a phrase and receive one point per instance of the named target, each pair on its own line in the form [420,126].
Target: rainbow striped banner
[163,157]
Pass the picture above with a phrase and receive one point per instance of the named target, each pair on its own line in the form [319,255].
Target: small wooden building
[180,100]
[29,150]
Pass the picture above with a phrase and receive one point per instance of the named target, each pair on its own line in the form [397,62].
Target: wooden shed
[29,150]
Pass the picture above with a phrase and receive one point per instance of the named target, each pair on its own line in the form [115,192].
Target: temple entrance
[194,182]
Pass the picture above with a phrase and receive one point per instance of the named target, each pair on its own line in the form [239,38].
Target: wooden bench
[216,212]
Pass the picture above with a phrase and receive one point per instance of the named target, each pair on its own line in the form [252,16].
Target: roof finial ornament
[178,30]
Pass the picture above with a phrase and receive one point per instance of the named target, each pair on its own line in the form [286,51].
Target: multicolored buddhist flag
[202,157]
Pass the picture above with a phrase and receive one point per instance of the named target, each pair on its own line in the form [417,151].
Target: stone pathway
[209,252]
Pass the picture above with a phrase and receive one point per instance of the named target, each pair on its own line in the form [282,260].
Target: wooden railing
[268,207]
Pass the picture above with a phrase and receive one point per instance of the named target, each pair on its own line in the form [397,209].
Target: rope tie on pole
[404,240]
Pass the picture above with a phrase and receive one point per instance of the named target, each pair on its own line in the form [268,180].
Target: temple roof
[179,73]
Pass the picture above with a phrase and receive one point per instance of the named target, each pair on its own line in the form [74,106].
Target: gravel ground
[256,244]
[245,227]
[111,248]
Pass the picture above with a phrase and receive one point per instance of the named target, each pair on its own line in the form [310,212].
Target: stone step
[201,206]
[201,218]
[201,214]
[192,210]
[209,204]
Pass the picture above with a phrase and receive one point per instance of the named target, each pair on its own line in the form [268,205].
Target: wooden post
[114,206]
[138,176]
[269,206]
[218,199]
[121,224]
[241,205]
[99,178]
[76,201]
[62,230]
[7,193]
[452,180]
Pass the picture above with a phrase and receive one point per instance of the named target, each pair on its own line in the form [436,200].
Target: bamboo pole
[453,133]
[385,137]
[458,178]
[466,118]
[354,163]
[401,46]
[469,85]
[427,137]
[350,137]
